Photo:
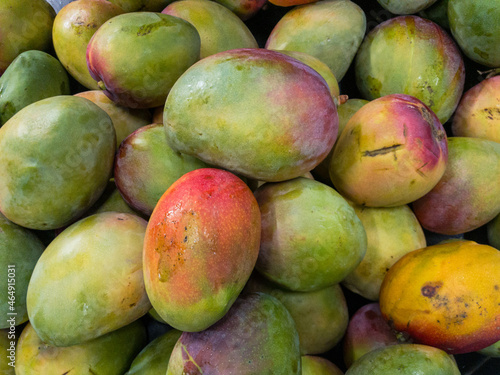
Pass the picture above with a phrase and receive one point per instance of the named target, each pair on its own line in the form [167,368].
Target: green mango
[74,26]
[493,230]
[256,336]
[8,341]
[321,316]
[89,280]
[32,76]
[405,359]
[219,28]
[405,6]
[57,157]
[24,25]
[413,56]
[312,365]
[110,354]
[475,27]
[146,166]
[330,30]
[153,359]
[491,351]
[19,252]
[438,13]
[141,5]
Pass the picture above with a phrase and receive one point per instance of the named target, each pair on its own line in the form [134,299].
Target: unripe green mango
[56,160]
[19,252]
[330,30]
[413,56]
[438,13]
[405,359]
[312,365]
[32,76]
[219,28]
[493,229]
[256,336]
[110,354]
[153,359]
[475,27]
[74,25]
[24,25]
[141,5]
[405,6]
[89,280]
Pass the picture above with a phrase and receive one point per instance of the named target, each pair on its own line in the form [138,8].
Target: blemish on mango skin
[430,289]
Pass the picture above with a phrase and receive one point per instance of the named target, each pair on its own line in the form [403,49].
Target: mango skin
[493,232]
[311,237]
[405,359]
[474,27]
[445,296]
[491,351]
[245,9]
[32,76]
[73,27]
[125,120]
[478,113]
[220,29]
[200,248]
[256,336]
[413,56]
[96,264]
[467,196]
[279,109]
[395,166]
[110,354]
[25,25]
[330,30]
[164,47]
[146,166]
[405,6]
[312,365]
[321,316]
[391,233]
[367,331]
[141,5]
[61,145]
[438,13]
[21,248]
[153,359]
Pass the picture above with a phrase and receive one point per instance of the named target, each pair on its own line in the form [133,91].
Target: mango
[478,113]
[405,359]
[20,249]
[467,196]
[331,30]
[391,233]
[367,331]
[110,354]
[74,25]
[445,296]
[89,281]
[493,232]
[141,5]
[312,365]
[391,152]
[311,237]
[413,56]
[8,341]
[125,120]
[256,112]
[62,145]
[245,9]
[474,27]
[321,316]
[153,359]
[24,25]
[438,13]
[164,47]
[220,29]
[146,166]
[32,76]
[405,6]
[200,248]
[256,336]
[491,351]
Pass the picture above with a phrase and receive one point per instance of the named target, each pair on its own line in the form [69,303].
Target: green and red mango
[201,246]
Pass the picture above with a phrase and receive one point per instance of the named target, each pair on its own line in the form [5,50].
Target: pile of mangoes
[243,187]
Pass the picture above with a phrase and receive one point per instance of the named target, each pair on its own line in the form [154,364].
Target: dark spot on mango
[496,287]
[382,151]
[429,290]
[185,238]
[371,315]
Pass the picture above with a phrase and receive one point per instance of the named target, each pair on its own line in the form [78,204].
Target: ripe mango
[201,246]
[445,296]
